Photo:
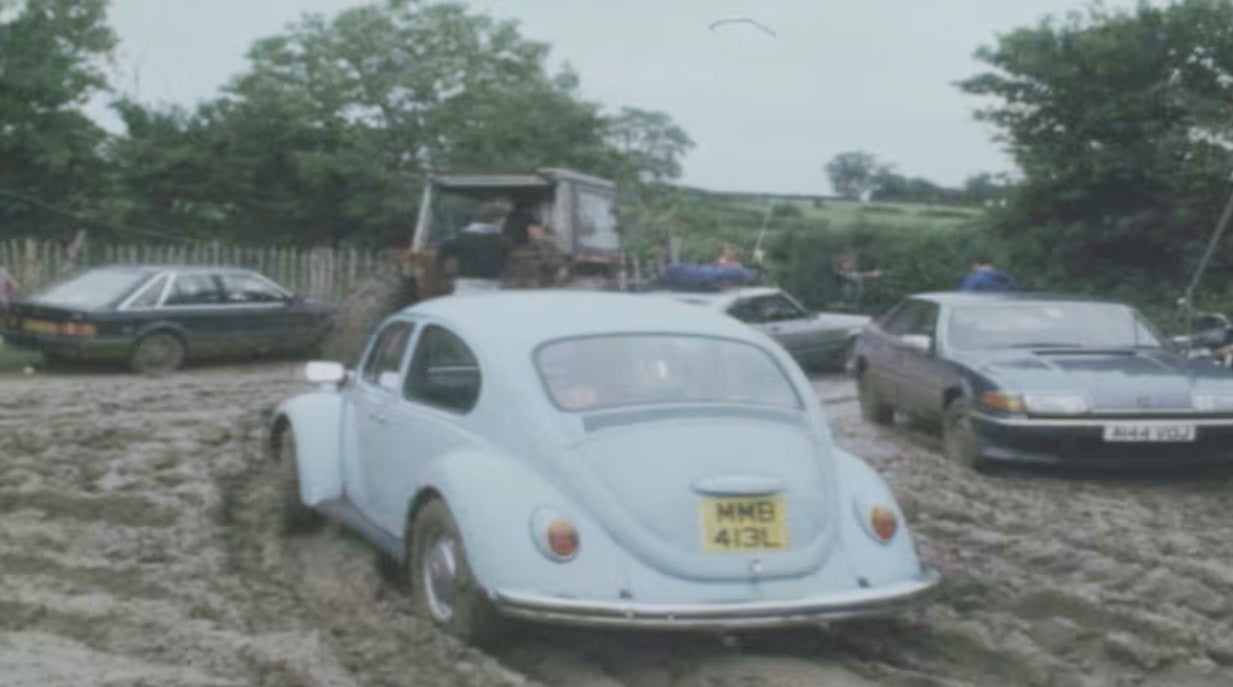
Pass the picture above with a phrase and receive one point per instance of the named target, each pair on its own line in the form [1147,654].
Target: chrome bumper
[1089,423]
[719,616]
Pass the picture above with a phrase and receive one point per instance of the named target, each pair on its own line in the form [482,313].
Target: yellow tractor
[579,210]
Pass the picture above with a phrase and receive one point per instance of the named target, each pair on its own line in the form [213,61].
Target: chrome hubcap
[439,574]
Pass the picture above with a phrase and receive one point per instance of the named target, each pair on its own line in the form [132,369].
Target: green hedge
[912,260]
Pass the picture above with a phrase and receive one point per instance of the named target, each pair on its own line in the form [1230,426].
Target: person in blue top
[985,277]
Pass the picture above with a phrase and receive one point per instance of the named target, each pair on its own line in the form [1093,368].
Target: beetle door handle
[379,417]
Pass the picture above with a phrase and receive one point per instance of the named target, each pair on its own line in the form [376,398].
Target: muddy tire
[873,407]
[959,438]
[294,516]
[443,587]
[157,354]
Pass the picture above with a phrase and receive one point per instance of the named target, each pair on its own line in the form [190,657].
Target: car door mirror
[325,372]
[918,342]
[388,381]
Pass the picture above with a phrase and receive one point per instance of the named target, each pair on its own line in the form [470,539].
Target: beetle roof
[531,317]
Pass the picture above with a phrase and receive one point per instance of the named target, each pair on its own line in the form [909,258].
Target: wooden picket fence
[319,273]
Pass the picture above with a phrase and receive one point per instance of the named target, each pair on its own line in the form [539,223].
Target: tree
[985,187]
[651,145]
[330,133]
[50,165]
[855,174]
[1122,123]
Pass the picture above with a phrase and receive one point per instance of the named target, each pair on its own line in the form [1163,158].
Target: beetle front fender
[315,420]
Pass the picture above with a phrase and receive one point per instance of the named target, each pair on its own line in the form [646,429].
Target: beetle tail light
[562,539]
[883,523]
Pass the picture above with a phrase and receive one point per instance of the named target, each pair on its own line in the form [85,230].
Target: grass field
[839,213]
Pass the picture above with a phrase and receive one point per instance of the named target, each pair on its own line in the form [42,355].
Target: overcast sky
[766,112]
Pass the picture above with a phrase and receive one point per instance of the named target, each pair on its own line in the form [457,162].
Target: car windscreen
[1045,325]
[93,289]
[597,372]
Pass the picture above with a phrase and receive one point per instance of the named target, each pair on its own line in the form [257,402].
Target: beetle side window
[195,289]
[444,372]
[386,354]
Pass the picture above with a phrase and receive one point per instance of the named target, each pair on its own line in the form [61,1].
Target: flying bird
[744,20]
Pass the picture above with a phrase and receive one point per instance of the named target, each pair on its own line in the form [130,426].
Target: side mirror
[918,342]
[323,372]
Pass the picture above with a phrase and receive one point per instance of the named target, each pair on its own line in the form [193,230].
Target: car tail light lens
[77,329]
[1010,403]
[562,539]
[883,523]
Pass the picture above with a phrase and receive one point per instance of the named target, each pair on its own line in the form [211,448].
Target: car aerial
[596,459]
[1038,378]
[818,341]
[153,317]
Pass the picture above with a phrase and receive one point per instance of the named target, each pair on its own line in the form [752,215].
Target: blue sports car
[1031,378]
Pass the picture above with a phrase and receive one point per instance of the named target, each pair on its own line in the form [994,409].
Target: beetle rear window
[629,370]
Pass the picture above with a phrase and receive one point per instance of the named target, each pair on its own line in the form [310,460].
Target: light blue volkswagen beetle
[594,459]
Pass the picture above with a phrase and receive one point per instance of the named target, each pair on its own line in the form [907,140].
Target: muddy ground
[136,548]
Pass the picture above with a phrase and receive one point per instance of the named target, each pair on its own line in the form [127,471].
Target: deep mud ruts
[138,546]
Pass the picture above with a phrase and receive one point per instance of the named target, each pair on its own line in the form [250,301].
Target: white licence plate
[1149,432]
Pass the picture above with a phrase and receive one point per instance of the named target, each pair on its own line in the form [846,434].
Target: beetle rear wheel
[442,584]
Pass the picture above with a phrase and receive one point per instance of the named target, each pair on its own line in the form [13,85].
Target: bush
[882,210]
[787,211]
[912,260]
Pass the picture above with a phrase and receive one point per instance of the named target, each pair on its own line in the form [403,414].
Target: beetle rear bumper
[720,616]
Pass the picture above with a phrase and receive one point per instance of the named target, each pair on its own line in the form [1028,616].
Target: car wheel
[294,515]
[442,584]
[959,437]
[873,407]
[157,353]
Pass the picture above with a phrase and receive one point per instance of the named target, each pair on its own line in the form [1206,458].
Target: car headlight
[1056,404]
[1005,402]
[1214,403]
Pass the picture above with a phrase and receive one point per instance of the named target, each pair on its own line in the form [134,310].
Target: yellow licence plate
[744,523]
[39,326]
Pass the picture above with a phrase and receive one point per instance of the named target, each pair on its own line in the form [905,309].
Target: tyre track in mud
[139,546]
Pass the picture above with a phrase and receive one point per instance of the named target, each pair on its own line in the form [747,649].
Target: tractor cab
[578,210]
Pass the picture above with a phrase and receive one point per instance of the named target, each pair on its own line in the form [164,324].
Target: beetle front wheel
[295,516]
